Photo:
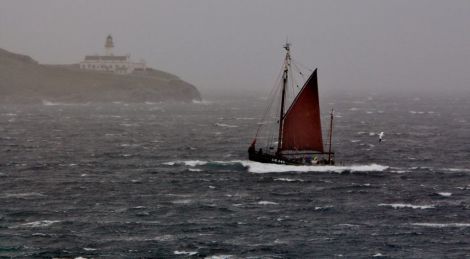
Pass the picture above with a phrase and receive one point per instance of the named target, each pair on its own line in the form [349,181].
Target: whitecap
[256,167]
[288,180]
[403,205]
[184,252]
[267,203]
[456,169]
[226,125]
[195,170]
[191,163]
[49,103]
[89,249]
[354,109]
[442,225]
[169,163]
[201,102]
[220,257]
[164,238]
[40,223]
[445,194]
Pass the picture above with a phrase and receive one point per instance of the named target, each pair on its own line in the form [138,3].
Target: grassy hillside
[22,79]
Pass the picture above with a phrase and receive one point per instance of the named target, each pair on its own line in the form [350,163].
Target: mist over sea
[154,180]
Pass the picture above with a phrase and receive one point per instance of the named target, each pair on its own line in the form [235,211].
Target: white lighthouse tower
[109,45]
[110,63]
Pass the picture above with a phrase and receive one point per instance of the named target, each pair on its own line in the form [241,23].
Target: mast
[331,135]
[283,96]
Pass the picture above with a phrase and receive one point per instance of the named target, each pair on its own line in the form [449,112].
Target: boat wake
[256,167]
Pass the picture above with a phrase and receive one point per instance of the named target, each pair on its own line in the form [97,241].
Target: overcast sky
[221,45]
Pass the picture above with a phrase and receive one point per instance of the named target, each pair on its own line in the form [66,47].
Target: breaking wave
[256,167]
[39,224]
[403,206]
[442,225]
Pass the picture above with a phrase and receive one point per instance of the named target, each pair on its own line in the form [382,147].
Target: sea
[172,180]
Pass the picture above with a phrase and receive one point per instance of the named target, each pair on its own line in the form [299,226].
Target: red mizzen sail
[302,125]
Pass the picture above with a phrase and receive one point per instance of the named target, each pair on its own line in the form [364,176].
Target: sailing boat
[299,138]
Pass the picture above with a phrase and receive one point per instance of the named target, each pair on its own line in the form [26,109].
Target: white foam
[169,163]
[191,163]
[403,205]
[378,255]
[288,180]
[456,169]
[442,225]
[89,249]
[255,167]
[184,252]
[195,170]
[40,223]
[226,125]
[49,103]
[202,102]
[164,238]
[219,257]
[445,194]
[267,203]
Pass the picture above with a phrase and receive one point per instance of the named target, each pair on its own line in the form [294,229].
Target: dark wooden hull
[282,160]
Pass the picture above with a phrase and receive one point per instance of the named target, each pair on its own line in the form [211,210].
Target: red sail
[302,126]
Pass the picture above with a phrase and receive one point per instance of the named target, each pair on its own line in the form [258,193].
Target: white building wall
[115,66]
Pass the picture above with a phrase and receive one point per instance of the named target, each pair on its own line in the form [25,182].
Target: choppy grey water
[172,181]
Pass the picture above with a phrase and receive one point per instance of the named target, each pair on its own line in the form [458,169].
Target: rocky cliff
[22,79]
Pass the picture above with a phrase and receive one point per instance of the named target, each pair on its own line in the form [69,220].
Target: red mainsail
[302,126]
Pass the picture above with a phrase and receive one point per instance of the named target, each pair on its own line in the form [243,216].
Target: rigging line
[302,65]
[300,72]
[271,97]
